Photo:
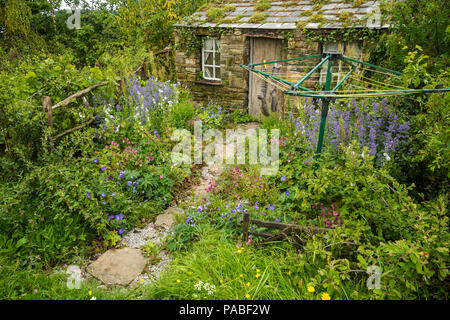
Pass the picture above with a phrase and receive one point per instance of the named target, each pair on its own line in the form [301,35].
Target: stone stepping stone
[118,266]
[167,220]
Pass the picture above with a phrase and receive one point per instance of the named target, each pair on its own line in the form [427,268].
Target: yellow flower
[178,281]
[221,281]
[90,293]
[241,275]
[311,289]
[258,271]
[248,284]
[142,280]
[258,275]
[325,296]
[239,251]
[247,296]
[190,273]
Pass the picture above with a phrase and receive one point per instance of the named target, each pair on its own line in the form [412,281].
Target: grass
[247,273]
[33,284]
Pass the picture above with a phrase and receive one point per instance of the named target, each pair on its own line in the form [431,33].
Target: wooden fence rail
[47,103]
[48,108]
[285,228]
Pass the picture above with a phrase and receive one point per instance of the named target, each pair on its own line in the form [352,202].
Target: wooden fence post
[47,108]
[245,226]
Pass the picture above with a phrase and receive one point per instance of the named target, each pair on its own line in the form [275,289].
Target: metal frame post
[325,104]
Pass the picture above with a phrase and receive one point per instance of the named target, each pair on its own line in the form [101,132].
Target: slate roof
[286,14]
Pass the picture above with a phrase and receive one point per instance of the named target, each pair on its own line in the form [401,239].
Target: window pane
[330,47]
[217,73]
[208,58]
[217,59]
[209,44]
[208,72]
[217,45]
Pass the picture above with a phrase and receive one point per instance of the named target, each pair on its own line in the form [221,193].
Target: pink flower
[161,176]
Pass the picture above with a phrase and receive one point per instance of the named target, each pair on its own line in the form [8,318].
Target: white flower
[93,298]
[386,156]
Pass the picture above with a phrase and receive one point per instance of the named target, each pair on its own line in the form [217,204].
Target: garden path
[124,266]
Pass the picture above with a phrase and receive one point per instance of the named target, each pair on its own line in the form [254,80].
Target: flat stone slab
[166,220]
[118,266]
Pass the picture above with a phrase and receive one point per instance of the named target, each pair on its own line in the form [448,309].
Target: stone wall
[232,90]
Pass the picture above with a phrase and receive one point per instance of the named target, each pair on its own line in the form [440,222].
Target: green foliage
[181,113]
[151,251]
[180,236]
[422,23]
[240,117]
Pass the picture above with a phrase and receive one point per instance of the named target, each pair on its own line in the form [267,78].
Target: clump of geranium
[247,185]
[330,215]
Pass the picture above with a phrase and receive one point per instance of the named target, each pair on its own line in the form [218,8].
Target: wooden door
[264,49]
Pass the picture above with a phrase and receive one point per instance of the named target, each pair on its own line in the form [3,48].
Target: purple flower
[283,178]
[277,220]
[120,230]
[119,217]
[287,192]
[103,194]
[103,168]
[129,183]
[95,160]
[88,195]
[199,209]
[110,217]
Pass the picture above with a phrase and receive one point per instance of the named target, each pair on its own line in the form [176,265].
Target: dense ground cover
[380,186]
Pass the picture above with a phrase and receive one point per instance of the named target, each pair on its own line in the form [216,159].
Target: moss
[229,8]
[214,14]
[301,25]
[306,13]
[358,3]
[263,5]
[289,4]
[317,18]
[345,18]
[258,17]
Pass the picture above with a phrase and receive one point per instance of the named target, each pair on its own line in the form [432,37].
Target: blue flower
[277,220]
[103,168]
[103,194]
[283,178]
[95,160]
[88,195]
[129,183]
[119,217]
[272,207]
[199,209]
[120,230]
[113,194]
[287,192]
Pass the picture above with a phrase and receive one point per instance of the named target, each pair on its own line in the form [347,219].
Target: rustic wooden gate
[269,50]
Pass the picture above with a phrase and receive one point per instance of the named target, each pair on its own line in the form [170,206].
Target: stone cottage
[213,43]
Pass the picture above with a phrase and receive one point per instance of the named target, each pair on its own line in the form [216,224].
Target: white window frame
[341,47]
[215,64]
